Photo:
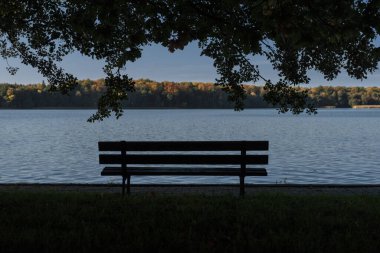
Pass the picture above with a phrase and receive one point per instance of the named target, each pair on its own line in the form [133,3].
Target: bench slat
[183,145]
[176,171]
[183,159]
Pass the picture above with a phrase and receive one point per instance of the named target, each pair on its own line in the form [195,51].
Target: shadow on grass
[83,222]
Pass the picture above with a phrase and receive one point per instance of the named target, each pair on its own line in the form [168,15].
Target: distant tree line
[151,94]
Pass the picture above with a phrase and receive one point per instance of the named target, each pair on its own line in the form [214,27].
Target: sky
[158,64]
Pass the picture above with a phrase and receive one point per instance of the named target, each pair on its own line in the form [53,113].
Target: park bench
[185,158]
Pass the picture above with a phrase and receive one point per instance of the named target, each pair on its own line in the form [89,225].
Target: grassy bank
[83,222]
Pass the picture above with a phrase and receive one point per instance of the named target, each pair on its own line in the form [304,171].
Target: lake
[339,146]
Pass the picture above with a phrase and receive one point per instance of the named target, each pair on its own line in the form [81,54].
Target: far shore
[181,108]
[190,108]
[366,106]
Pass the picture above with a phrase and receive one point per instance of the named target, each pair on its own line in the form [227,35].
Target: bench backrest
[124,147]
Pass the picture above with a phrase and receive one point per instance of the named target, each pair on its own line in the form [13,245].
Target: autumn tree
[294,35]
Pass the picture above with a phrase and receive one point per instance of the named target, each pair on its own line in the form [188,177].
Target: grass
[84,222]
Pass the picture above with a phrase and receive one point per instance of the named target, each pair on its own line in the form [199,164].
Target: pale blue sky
[160,65]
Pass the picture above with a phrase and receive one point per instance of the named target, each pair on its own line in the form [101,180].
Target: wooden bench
[133,160]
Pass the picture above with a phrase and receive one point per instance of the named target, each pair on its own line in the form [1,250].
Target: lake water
[59,146]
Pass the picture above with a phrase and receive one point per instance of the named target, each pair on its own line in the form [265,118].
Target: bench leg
[128,178]
[123,185]
[128,185]
[242,186]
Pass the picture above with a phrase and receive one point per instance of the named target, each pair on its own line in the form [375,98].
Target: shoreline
[203,189]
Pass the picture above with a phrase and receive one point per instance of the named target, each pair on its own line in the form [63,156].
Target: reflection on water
[335,146]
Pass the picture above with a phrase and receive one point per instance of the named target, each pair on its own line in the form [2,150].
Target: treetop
[295,36]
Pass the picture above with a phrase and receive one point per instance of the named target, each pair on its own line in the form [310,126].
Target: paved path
[202,189]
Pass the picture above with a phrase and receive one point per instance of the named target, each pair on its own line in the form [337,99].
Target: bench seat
[181,171]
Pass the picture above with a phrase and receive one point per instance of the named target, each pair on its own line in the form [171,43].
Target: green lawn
[84,222]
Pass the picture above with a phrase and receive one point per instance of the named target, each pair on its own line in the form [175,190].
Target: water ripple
[59,146]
